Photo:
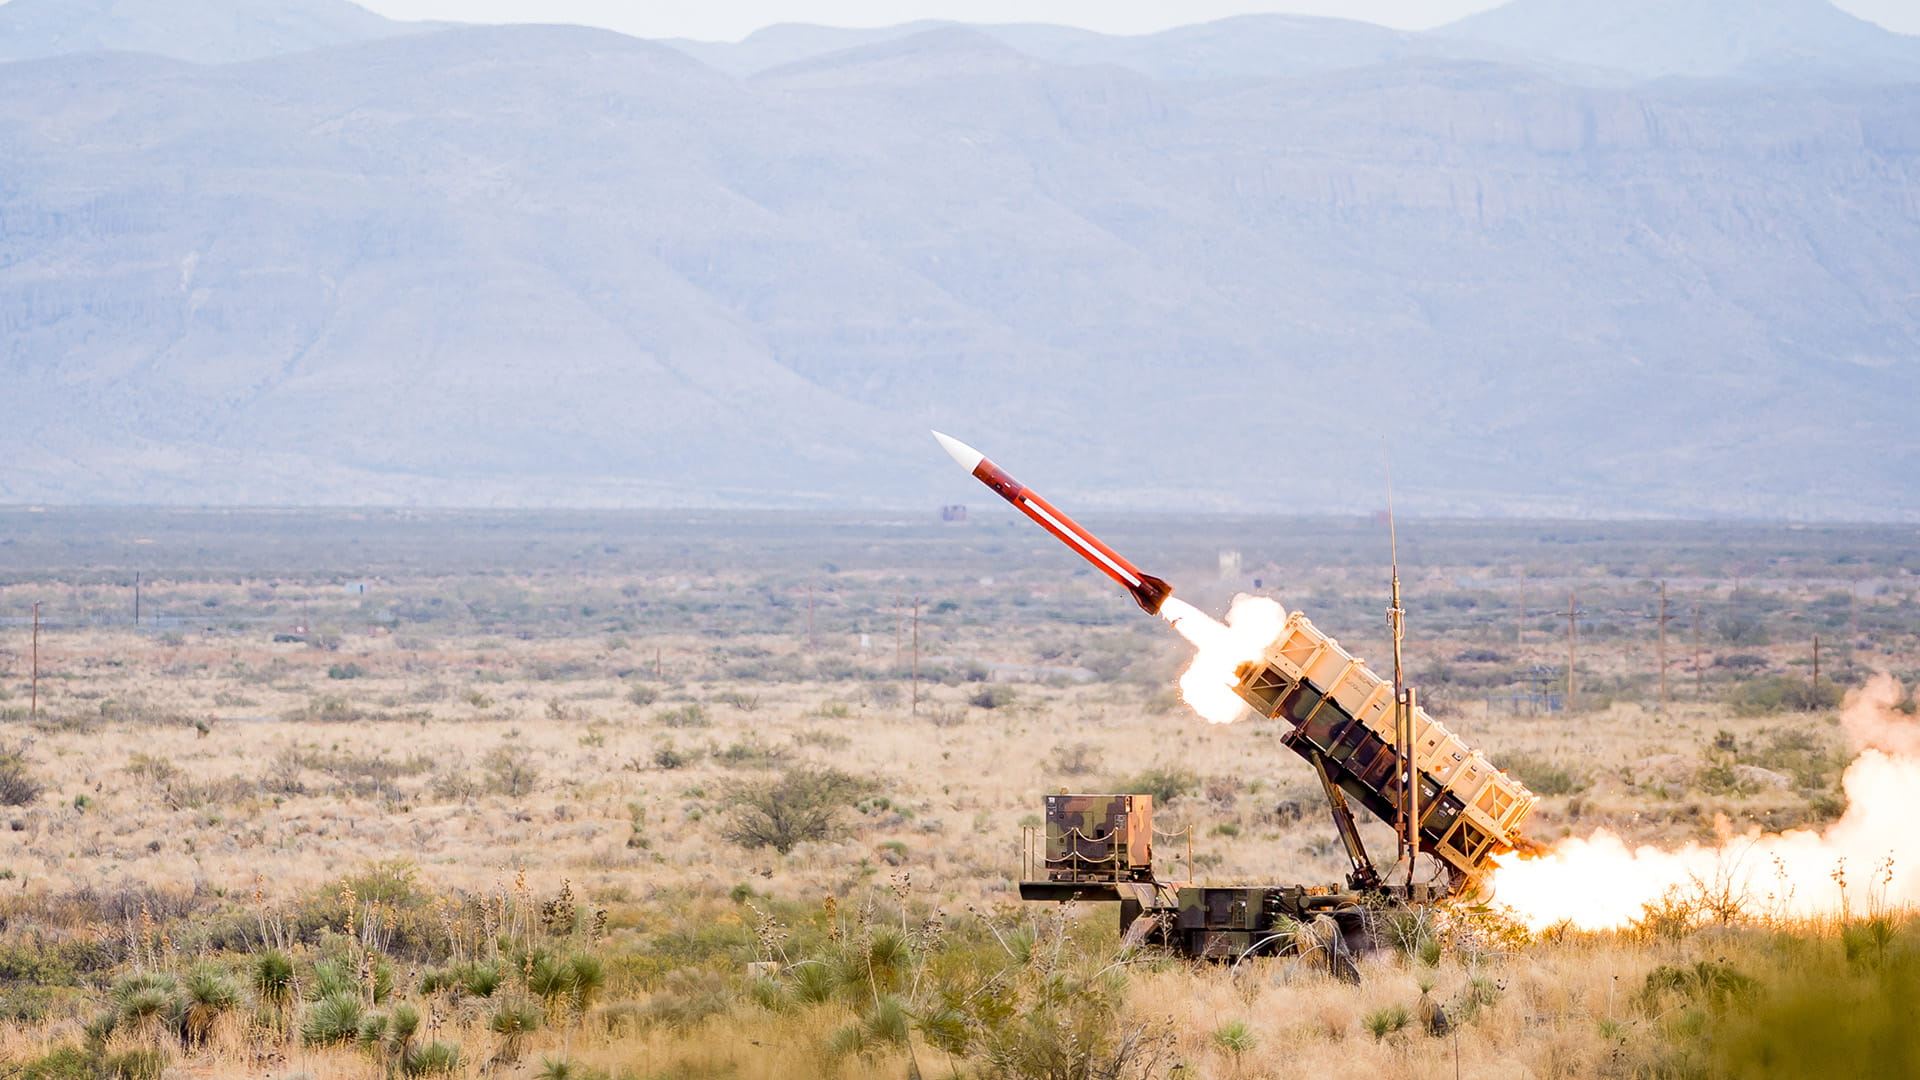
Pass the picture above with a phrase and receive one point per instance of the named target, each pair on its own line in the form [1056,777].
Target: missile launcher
[1369,746]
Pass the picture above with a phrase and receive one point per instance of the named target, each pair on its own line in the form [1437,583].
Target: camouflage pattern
[1099,838]
[1230,923]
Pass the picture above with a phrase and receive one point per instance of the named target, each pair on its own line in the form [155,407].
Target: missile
[1148,591]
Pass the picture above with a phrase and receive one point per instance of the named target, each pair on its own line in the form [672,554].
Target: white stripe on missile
[1073,535]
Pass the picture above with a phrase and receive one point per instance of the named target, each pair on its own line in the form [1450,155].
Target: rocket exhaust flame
[1868,859]
[1253,623]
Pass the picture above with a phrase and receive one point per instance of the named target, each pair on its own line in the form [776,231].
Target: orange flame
[1869,858]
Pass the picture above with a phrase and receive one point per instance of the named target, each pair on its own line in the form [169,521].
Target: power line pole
[1699,673]
[1520,623]
[1663,646]
[809,616]
[1816,666]
[916,656]
[1573,614]
[136,598]
[35,712]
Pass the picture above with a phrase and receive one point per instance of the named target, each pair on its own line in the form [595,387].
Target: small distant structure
[357,588]
[1532,694]
[1230,566]
[955,514]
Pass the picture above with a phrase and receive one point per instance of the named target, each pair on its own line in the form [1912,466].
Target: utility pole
[809,616]
[1699,673]
[1520,623]
[916,656]
[1663,646]
[1853,621]
[1573,614]
[1816,665]
[136,598]
[898,643]
[35,712]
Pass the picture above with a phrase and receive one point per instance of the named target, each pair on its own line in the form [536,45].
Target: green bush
[333,1020]
[1544,777]
[511,770]
[66,1063]
[803,804]
[993,696]
[1782,693]
[686,716]
[17,784]
[433,1059]
[1387,1020]
[1164,784]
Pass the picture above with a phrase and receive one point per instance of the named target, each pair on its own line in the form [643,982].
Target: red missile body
[1148,591]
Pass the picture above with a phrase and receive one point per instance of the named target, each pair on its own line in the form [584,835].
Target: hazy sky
[720,20]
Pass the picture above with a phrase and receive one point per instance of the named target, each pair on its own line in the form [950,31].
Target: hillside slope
[539,265]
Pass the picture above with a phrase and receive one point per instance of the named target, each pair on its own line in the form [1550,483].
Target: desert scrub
[1164,784]
[18,787]
[510,770]
[804,804]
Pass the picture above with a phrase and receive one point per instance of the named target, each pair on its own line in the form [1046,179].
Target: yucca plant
[273,978]
[513,1021]
[334,1019]
[388,1037]
[433,1059]
[145,1001]
[480,978]
[209,993]
[587,976]
[815,982]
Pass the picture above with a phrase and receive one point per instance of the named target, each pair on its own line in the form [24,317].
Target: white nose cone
[967,456]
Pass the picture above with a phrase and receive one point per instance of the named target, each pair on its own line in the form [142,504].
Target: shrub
[433,1059]
[1779,693]
[688,715]
[273,979]
[1387,1020]
[752,752]
[346,671]
[993,696]
[513,1022]
[17,784]
[643,695]
[333,1020]
[66,1063]
[668,756]
[511,770]
[1077,758]
[1164,784]
[1235,1037]
[1543,776]
[141,1064]
[803,804]
[210,994]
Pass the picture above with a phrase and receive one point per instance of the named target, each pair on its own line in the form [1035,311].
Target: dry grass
[206,794]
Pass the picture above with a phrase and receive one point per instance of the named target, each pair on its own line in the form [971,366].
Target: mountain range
[288,252]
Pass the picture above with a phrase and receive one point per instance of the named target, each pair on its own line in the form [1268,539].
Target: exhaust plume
[1869,859]
[1207,685]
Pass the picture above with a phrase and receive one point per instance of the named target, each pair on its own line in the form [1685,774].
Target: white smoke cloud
[1868,859]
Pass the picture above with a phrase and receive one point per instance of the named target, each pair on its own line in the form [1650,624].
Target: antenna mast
[1403,703]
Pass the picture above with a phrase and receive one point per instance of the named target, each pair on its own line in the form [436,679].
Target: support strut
[1364,876]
